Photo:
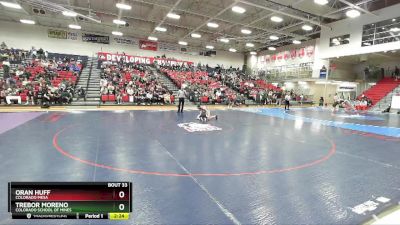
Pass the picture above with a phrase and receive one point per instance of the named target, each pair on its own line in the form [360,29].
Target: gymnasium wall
[24,36]
[354,27]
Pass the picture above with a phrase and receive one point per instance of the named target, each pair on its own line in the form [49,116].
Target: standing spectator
[301,99]
[397,73]
[2,95]
[181,96]
[287,101]
[119,98]
[321,101]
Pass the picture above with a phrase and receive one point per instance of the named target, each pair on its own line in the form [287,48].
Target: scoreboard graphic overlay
[70,200]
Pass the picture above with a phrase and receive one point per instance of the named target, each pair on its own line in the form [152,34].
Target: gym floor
[251,166]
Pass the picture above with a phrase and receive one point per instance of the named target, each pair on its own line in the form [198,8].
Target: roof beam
[285,13]
[227,21]
[357,7]
[211,18]
[348,7]
[170,11]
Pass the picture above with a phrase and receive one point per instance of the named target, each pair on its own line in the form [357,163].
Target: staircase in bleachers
[93,90]
[166,81]
[90,84]
[382,88]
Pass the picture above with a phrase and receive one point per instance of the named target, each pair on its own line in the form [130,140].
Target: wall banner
[104,56]
[62,34]
[148,45]
[126,41]
[59,34]
[72,36]
[288,57]
[168,47]
[94,38]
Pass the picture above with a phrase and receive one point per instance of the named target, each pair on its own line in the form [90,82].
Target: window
[381,32]
[339,40]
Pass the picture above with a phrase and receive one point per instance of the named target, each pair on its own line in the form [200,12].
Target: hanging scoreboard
[70,200]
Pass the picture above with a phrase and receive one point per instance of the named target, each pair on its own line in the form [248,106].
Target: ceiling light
[395,29]
[27,21]
[74,26]
[195,35]
[212,25]
[249,45]
[276,19]
[173,16]
[245,31]
[238,9]
[182,43]
[232,50]
[210,47]
[11,5]
[224,40]
[352,13]
[162,29]
[253,53]
[307,27]
[296,42]
[271,48]
[69,13]
[273,37]
[117,33]
[151,38]
[119,22]
[123,6]
[321,2]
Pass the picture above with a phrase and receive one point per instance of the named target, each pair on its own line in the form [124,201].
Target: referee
[181,96]
[287,101]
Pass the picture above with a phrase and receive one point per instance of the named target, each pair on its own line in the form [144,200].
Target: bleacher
[202,80]
[380,89]
[36,73]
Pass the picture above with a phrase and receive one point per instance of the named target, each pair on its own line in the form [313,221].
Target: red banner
[290,54]
[148,45]
[104,56]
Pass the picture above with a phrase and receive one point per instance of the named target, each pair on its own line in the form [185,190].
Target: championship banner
[104,56]
[94,38]
[148,45]
[59,34]
[126,41]
[292,56]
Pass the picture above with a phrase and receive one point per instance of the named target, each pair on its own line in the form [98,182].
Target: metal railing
[90,74]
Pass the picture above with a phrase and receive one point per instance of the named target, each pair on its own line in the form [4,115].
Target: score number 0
[121,195]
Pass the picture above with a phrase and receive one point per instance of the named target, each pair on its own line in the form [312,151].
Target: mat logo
[369,206]
[198,127]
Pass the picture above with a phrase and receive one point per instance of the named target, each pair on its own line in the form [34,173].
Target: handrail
[90,74]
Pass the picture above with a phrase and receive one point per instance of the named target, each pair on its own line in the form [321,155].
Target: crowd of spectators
[256,89]
[16,56]
[226,86]
[200,85]
[36,80]
[134,83]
